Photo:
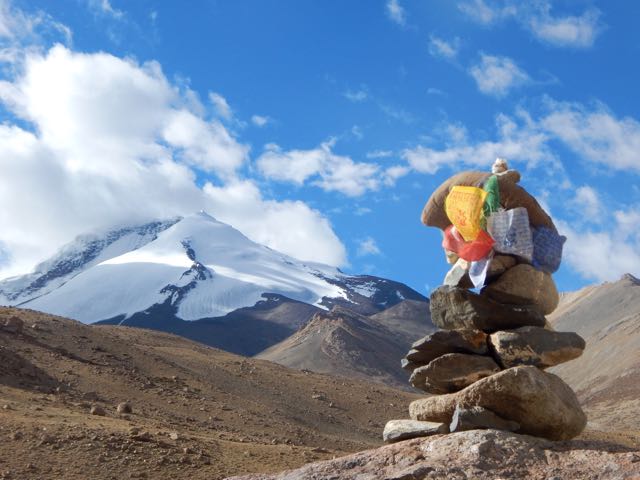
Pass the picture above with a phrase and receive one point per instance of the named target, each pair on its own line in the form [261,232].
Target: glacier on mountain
[202,266]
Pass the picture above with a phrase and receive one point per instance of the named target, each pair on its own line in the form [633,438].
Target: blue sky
[319,128]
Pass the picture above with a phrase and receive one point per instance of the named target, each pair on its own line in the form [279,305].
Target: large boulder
[452,372]
[540,402]
[456,308]
[442,342]
[536,346]
[525,285]
[397,430]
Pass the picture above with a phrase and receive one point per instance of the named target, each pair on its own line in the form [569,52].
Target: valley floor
[197,412]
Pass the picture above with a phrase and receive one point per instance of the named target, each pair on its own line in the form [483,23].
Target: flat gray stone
[454,308]
[397,430]
[442,342]
[452,372]
[536,346]
[476,418]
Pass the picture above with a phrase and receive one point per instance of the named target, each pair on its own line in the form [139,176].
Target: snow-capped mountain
[81,254]
[188,269]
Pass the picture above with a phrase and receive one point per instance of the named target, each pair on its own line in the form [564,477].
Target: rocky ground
[196,412]
[478,454]
[201,413]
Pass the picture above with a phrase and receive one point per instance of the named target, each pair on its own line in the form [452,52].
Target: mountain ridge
[197,277]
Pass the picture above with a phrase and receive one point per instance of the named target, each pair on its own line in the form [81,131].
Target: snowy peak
[84,252]
[194,268]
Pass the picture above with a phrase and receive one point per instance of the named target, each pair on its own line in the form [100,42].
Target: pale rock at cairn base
[397,430]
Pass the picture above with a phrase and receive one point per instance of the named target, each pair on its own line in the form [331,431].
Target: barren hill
[197,412]
[344,343]
[409,320]
[607,376]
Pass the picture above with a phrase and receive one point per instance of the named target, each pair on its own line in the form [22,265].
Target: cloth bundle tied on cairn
[485,367]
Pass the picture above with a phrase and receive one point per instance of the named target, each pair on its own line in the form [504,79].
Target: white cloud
[597,135]
[221,105]
[605,255]
[397,113]
[99,141]
[571,31]
[485,13]
[575,31]
[291,227]
[380,154]
[368,246]
[518,139]
[396,12]
[260,120]
[104,7]
[439,47]
[587,202]
[324,168]
[206,145]
[360,211]
[392,174]
[435,91]
[357,132]
[497,75]
[356,96]
[18,26]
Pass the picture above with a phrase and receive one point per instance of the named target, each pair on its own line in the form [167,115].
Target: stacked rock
[484,368]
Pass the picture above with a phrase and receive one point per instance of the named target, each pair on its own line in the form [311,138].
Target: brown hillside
[607,376]
[198,412]
[409,320]
[342,342]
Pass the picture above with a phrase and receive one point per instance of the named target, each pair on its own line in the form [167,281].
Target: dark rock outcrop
[536,346]
[456,308]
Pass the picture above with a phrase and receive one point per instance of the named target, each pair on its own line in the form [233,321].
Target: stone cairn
[485,366]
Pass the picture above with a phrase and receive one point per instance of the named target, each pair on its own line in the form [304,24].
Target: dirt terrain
[197,412]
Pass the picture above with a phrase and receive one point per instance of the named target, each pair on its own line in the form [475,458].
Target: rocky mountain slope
[607,376]
[196,412]
[342,342]
[408,320]
[167,275]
